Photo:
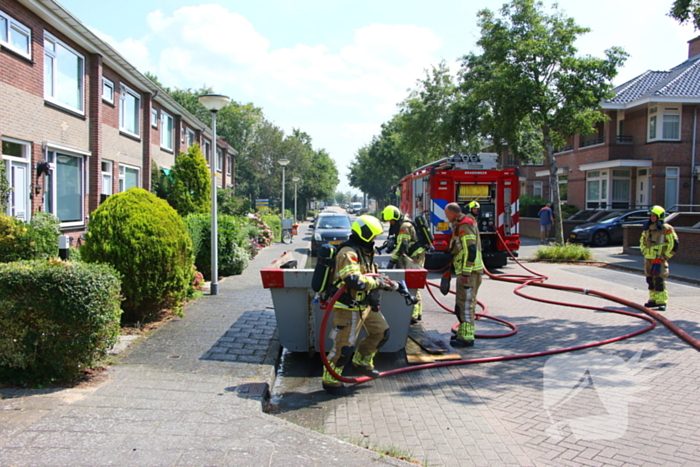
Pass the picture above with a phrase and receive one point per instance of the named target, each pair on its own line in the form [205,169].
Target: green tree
[5,189]
[529,76]
[683,10]
[191,186]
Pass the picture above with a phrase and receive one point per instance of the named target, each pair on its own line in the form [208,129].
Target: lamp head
[295,179]
[214,102]
[283,162]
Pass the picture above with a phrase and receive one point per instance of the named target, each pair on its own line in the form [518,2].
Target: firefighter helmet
[659,211]
[367,227]
[391,213]
[474,204]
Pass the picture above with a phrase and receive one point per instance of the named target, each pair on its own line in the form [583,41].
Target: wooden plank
[416,356]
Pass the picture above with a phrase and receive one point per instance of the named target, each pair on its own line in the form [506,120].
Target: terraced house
[78,122]
[645,154]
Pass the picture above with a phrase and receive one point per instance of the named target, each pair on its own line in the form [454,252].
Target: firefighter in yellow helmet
[359,307]
[658,243]
[407,246]
[474,208]
[466,251]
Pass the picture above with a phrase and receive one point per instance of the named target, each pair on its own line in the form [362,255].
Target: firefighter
[466,251]
[352,312]
[474,208]
[406,242]
[658,243]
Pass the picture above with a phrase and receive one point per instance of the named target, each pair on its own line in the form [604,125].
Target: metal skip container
[299,316]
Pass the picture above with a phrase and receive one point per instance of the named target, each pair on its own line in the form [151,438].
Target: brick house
[645,154]
[78,122]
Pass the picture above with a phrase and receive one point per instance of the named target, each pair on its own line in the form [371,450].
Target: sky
[337,70]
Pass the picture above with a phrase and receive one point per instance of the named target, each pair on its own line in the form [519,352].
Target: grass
[386,450]
[565,252]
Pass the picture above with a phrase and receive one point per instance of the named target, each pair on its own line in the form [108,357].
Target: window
[15,158]
[669,119]
[207,151]
[166,131]
[229,163]
[129,111]
[190,138]
[562,180]
[66,189]
[128,177]
[107,185]
[596,189]
[107,91]
[219,159]
[537,189]
[154,118]
[15,36]
[671,199]
[621,188]
[63,74]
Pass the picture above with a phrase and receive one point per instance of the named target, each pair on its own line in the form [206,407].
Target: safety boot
[365,365]
[464,336]
[661,307]
[651,304]
[330,384]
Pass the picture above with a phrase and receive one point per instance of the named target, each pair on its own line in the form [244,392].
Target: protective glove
[385,283]
[391,265]
[445,282]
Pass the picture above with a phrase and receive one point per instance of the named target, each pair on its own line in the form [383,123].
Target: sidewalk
[188,395]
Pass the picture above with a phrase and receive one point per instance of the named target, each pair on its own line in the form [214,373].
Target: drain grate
[252,389]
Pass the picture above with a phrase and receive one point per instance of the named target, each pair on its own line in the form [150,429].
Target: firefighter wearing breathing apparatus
[407,246]
[466,251]
[658,243]
[359,307]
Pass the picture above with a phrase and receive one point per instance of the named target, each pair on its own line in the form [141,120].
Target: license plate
[337,242]
[573,235]
[443,226]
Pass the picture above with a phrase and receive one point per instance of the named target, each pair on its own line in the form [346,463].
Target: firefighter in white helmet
[466,251]
[407,246]
[358,307]
[659,242]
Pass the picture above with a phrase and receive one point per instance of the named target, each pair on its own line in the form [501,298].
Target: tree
[190,191]
[529,78]
[683,10]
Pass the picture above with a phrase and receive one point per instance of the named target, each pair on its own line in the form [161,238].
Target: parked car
[329,227]
[608,228]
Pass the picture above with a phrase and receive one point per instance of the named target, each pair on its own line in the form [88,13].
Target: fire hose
[536,280]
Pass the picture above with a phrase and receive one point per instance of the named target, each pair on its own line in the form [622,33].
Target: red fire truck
[464,178]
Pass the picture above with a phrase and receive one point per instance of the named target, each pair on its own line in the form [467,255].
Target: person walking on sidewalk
[359,307]
[407,245]
[659,242]
[546,222]
[466,251]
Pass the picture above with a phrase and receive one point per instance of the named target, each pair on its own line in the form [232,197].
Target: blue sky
[337,70]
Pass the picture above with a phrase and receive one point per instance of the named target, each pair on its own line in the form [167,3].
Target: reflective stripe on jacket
[407,233]
[464,233]
[656,242]
[348,263]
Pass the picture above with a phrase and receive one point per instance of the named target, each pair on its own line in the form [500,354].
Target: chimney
[693,47]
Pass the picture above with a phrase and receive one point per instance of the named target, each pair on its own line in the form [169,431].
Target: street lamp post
[214,103]
[283,163]
[295,180]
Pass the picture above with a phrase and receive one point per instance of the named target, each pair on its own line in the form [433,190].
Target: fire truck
[461,179]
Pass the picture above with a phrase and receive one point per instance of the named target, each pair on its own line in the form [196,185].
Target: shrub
[45,231]
[566,252]
[56,319]
[16,240]
[144,239]
[231,205]
[274,224]
[233,258]
[190,191]
[195,223]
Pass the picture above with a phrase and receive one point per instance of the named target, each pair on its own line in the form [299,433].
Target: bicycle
[287,236]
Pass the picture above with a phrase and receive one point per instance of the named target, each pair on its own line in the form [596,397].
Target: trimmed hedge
[144,239]
[56,319]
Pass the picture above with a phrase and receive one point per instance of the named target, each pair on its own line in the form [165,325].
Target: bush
[45,231]
[195,223]
[233,258]
[144,239]
[16,240]
[190,191]
[56,319]
[274,223]
[566,252]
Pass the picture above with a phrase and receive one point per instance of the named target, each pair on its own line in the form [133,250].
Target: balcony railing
[622,139]
[568,147]
[592,142]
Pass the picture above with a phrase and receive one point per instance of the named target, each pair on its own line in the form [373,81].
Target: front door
[19,197]
[643,188]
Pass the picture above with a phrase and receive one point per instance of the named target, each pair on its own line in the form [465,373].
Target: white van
[355,208]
